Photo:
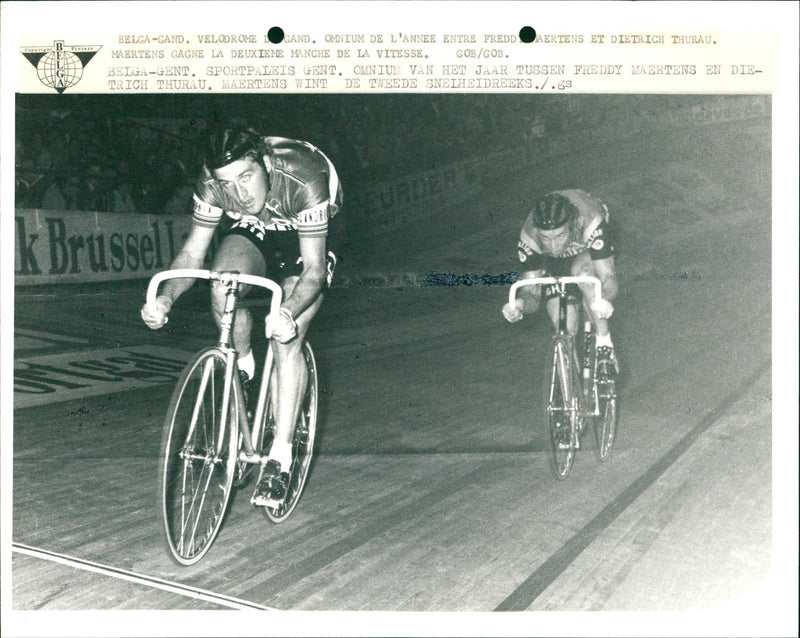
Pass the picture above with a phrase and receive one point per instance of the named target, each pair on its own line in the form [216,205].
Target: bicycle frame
[206,449]
[575,388]
[561,327]
[232,281]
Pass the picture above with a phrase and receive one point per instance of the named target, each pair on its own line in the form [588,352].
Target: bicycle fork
[211,454]
[563,375]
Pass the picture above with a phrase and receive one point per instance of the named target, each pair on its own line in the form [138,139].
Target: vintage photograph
[399,223]
[424,351]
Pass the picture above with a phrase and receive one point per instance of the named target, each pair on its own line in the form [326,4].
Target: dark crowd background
[141,153]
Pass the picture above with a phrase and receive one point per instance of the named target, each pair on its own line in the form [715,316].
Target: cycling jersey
[588,231]
[304,192]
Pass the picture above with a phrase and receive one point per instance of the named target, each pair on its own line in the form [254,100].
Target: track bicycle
[210,444]
[575,394]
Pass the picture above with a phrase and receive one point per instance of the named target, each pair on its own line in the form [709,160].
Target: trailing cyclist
[272,199]
[566,233]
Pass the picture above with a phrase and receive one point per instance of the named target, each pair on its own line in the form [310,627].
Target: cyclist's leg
[583,266]
[291,372]
[559,267]
[237,251]
[572,314]
[290,365]
[290,379]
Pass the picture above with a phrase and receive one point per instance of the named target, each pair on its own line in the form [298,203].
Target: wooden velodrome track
[431,489]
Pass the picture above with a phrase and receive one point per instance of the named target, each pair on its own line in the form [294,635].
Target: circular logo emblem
[598,244]
[59,69]
[522,256]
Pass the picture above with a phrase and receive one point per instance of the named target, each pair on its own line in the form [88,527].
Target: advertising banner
[53,247]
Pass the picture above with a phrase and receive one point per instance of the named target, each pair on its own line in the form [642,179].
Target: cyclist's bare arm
[191,255]
[530,295]
[312,279]
[606,272]
[601,308]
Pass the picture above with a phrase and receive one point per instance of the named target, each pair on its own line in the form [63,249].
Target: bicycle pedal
[263,501]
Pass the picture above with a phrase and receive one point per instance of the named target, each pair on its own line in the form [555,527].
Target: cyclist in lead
[566,234]
[272,200]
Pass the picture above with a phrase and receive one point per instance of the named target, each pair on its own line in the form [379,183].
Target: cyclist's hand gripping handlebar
[602,308]
[513,311]
[155,314]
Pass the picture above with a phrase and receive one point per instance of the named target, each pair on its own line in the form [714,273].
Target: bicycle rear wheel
[561,412]
[605,423]
[303,442]
[198,457]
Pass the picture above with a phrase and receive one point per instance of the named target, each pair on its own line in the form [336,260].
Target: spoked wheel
[605,423]
[302,444]
[561,413]
[198,457]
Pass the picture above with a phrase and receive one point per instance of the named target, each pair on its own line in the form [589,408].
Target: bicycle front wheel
[605,423]
[198,456]
[561,410]
[302,443]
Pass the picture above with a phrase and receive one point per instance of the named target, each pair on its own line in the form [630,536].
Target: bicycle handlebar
[197,273]
[538,281]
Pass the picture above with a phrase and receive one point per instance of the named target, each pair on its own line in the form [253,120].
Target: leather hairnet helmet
[553,211]
[227,145]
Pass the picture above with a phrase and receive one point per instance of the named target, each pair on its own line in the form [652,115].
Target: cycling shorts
[280,249]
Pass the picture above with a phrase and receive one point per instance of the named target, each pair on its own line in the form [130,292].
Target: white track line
[141,579]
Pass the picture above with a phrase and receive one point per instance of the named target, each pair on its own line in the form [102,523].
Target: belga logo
[61,65]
